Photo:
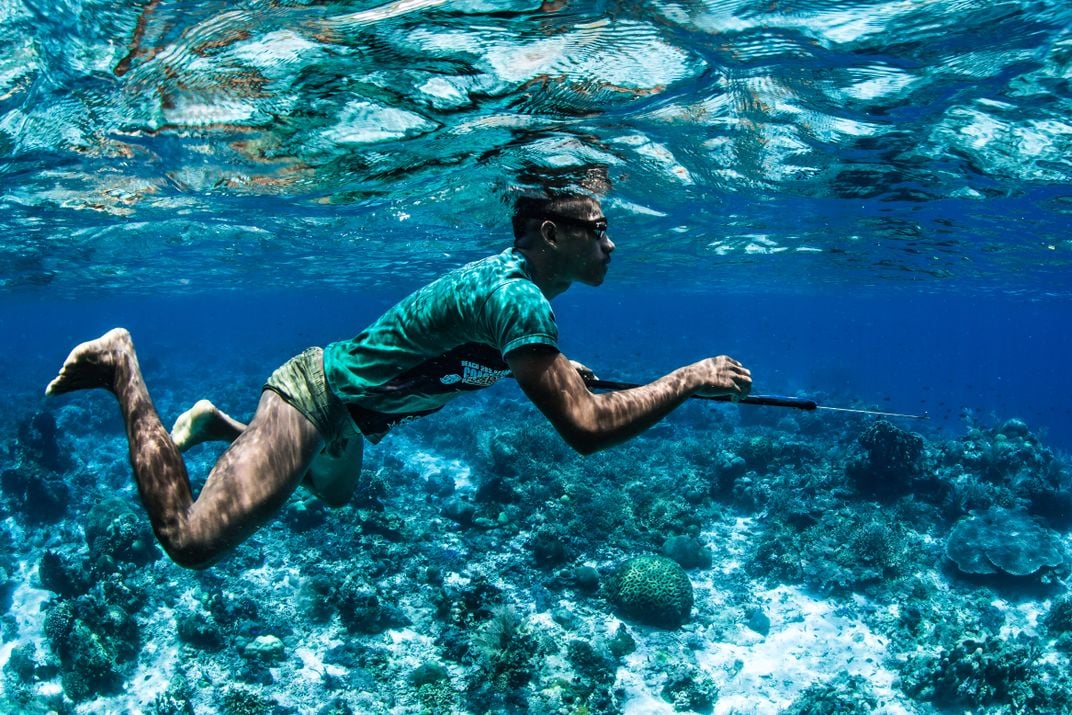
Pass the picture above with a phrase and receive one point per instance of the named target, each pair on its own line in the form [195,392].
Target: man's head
[565,237]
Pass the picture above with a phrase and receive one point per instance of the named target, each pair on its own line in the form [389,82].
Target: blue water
[868,204]
[989,356]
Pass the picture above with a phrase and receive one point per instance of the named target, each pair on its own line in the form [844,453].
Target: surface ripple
[697,120]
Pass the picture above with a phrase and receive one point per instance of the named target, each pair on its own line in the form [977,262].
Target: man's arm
[590,422]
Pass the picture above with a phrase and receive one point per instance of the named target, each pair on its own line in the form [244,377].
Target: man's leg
[250,481]
[332,478]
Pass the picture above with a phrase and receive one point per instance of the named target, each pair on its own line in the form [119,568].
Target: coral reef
[985,671]
[488,572]
[503,649]
[1004,541]
[653,590]
[39,442]
[843,695]
[93,639]
[1006,466]
[35,485]
[689,690]
[116,534]
[849,548]
[891,460]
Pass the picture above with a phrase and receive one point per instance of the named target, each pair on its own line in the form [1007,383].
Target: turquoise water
[866,203]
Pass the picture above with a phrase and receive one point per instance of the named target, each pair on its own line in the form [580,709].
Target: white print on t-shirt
[475,374]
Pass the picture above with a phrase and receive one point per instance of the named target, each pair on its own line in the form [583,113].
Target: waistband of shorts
[375,425]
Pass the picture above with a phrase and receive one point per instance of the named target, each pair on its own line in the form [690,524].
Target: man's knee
[333,477]
[189,552]
[197,560]
[334,493]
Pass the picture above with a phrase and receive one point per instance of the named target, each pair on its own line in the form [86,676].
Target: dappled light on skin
[590,422]
[249,483]
[253,478]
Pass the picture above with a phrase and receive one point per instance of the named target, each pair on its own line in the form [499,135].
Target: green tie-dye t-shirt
[447,338]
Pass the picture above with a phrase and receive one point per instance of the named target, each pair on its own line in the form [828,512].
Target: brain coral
[652,590]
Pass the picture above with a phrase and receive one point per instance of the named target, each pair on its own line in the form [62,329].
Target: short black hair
[535,207]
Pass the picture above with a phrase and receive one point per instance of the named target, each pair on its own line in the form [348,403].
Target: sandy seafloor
[726,478]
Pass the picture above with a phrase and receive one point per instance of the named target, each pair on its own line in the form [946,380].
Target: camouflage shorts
[300,382]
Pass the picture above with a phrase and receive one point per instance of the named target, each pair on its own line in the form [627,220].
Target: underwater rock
[989,467]
[548,549]
[495,489]
[266,649]
[238,614]
[19,688]
[439,484]
[729,466]
[7,589]
[199,629]
[594,670]
[763,452]
[238,700]
[758,621]
[315,598]
[622,642]
[428,673]
[22,663]
[175,700]
[688,551]
[566,618]
[472,602]
[1015,427]
[389,526]
[1003,541]
[653,590]
[1006,455]
[1059,618]
[38,494]
[459,511]
[305,515]
[590,662]
[91,639]
[892,459]
[38,442]
[586,579]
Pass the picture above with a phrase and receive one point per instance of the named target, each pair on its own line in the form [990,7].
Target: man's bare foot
[92,364]
[204,422]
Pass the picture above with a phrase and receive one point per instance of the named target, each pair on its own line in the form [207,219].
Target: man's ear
[549,231]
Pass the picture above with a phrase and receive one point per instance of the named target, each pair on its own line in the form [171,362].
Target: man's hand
[722,375]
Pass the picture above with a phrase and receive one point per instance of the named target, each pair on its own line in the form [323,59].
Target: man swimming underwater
[465,331]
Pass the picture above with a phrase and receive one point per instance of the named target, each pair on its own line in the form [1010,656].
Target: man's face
[583,243]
